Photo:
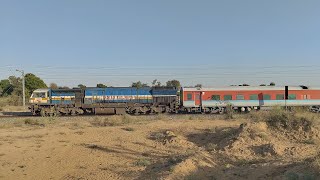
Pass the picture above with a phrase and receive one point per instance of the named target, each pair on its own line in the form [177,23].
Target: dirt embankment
[254,150]
[160,147]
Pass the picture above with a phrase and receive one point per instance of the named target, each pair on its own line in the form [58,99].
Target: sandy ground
[152,148]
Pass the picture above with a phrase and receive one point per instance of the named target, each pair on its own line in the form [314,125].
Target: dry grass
[279,118]
[113,147]
[9,122]
[8,108]
[10,101]
[316,163]
[118,120]
[143,162]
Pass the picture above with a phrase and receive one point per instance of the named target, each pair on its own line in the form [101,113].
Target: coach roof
[252,88]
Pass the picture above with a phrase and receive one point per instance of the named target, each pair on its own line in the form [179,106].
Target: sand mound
[258,140]
[169,138]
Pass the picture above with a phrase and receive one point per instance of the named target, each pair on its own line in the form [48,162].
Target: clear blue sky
[216,43]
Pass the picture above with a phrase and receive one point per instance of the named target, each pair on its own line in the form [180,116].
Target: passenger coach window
[189,96]
[227,97]
[254,97]
[266,97]
[292,97]
[240,97]
[215,97]
[280,97]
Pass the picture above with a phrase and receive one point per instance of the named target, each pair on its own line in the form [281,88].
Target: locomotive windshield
[39,95]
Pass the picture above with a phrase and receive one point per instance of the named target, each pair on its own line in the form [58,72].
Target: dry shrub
[31,122]
[4,101]
[116,120]
[12,100]
[211,147]
[8,108]
[279,118]
[128,129]
[316,163]
[161,117]
[229,112]
[143,162]
[37,121]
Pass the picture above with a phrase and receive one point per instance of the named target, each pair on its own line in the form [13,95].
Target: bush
[114,120]
[12,100]
[316,163]
[31,122]
[282,119]
[229,112]
[128,129]
[143,162]
[279,118]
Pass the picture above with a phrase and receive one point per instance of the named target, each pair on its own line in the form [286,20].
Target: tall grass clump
[280,118]
[229,112]
[116,120]
[12,100]
[316,163]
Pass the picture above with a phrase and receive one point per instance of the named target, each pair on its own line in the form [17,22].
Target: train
[154,100]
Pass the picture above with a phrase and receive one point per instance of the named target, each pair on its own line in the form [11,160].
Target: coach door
[198,98]
[78,98]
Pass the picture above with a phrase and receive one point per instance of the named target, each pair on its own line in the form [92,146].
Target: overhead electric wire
[187,72]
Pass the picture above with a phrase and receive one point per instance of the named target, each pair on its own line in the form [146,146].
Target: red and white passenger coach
[246,98]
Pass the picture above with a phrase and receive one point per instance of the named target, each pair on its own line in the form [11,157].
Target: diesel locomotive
[152,100]
[110,100]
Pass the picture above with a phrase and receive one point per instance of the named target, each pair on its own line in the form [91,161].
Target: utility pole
[23,87]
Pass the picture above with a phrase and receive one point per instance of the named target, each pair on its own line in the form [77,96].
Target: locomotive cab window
[189,96]
[215,97]
[227,97]
[240,97]
[254,97]
[266,97]
[39,95]
[280,97]
[292,97]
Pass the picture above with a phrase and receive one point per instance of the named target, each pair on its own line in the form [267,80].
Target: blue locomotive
[110,100]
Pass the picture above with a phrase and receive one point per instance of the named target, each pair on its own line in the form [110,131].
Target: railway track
[27,114]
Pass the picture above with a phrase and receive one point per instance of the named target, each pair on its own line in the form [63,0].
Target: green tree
[156,83]
[16,94]
[5,87]
[81,86]
[32,82]
[139,84]
[263,85]
[173,83]
[63,87]
[53,86]
[100,85]
[16,83]
[272,84]
[198,86]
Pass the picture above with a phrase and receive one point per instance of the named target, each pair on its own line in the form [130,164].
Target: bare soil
[157,147]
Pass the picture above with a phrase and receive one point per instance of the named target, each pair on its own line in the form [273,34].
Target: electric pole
[23,87]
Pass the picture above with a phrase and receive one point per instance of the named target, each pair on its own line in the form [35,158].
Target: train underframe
[101,109]
[139,109]
[239,109]
[217,109]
